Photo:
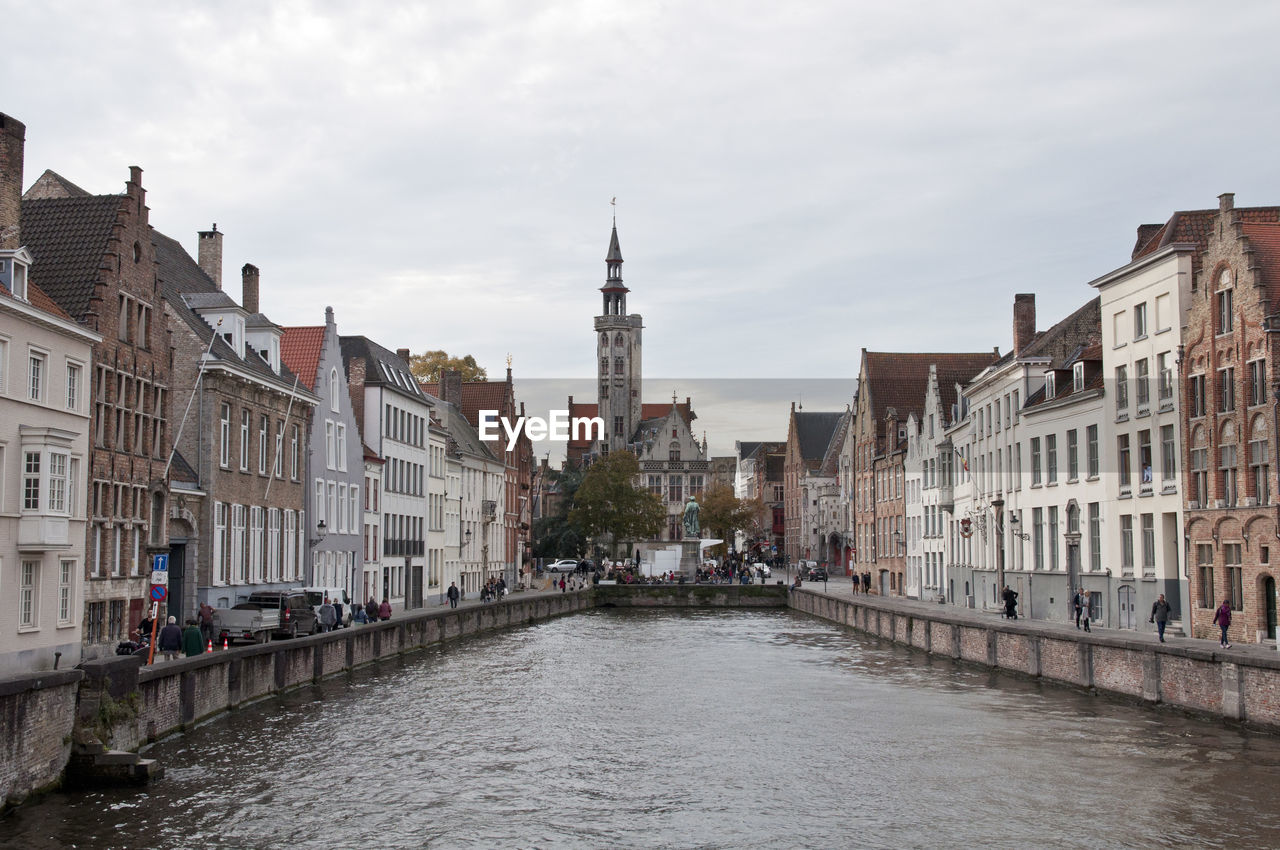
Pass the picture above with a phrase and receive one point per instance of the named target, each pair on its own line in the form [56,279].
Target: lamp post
[312,543]
[998,506]
[468,548]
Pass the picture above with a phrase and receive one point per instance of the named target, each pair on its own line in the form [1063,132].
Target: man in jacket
[327,616]
[193,642]
[1160,615]
[170,640]
[453,594]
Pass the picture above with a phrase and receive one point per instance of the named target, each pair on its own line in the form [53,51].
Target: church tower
[618,356]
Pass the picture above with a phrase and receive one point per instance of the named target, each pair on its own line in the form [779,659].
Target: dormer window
[1050,386]
[13,271]
[1077,377]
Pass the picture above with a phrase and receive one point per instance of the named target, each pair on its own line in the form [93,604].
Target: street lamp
[467,544]
[998,506]
[312,543]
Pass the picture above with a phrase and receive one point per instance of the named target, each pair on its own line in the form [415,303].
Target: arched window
[334,397]
[1224,302]
[617,340]
[673,451]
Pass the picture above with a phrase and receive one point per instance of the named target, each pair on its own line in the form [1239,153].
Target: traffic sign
[160,577]
[159,592]
[160,563]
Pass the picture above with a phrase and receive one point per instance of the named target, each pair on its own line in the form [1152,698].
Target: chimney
[210,254]
[1226,201]
[403,354]
[13,134]
[1024,321]
[249,288]
[451,387]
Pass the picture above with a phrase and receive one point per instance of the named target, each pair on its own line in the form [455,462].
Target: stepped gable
[300,350]
[1265,241]
[1195,226]
[68,239]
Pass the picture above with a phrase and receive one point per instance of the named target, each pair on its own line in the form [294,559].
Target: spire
[615,253]
[615,291]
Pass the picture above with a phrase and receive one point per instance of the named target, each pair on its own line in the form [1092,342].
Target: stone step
[114,757]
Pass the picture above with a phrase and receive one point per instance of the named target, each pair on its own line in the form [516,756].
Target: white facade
[437,512]
[45,363]
[929,459]
[1144,308]
[371,568]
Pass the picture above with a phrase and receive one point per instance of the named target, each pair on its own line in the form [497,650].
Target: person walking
[1010,603]
[170,640]
[1222,617]
[1160,615]
[371,610]
[327,616]
[193,642]
[453,594]
[384,610]
[1077,604]
[205,616]
[1084,609]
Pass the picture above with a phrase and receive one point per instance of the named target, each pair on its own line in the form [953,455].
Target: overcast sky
[795,181]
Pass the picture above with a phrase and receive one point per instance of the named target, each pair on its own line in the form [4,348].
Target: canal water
[678,729]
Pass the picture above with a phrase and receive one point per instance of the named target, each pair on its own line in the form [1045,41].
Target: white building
[45,358]
[371,585]
[1144,308]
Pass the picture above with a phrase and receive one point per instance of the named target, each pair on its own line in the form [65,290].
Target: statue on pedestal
[691,526]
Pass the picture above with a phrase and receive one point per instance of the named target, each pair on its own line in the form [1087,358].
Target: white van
[316,597]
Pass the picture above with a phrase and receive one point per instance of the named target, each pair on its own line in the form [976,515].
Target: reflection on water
[679,729]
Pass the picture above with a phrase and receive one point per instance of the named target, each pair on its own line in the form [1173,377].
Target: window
[237,544]
[1122,388]
[73,386]
[1139,320]
[618,426]
[293,454]
[244,441]
[31,481]
[1144,458]
[1148,546]
[341,442]
[675,488]
[1051,458]
[255,543]
[273,544]
[334,396]
[1259,468]
[262,445]
[329,445]
[1195,389]
[1204,572]
[1037,537]
[1126,544]
[1077,377]
[1230,482]
[1125,479]
[277,464]
[1095,537]
[1227,389]
[1073,455]
[219,564]
[1091,450]
[57,482]
[1257,382]
[35,376]
[1035,460]
[1199,477]
[1235,577]
[27,579]
[1163,312]
[1164,378]
[224,446]
[1168,456]
[1142,381]
[1225,323]
[1053,537]
[66,575]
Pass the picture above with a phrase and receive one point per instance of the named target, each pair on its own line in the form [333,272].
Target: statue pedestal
[689,557]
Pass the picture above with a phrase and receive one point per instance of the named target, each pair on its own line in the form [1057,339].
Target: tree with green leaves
[554,536]
[723,513]
[430,365]
[609,504]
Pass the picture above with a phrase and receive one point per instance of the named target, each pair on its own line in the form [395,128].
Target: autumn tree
[723,513]
[608,502]
[429,365]
[554,536]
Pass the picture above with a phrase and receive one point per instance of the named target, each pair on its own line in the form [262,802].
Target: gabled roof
[1062,344]
[68,240]
[36,298]
[814,431]
[186,286]
[1265,241]
[900,380]
[657,410]
[300,349]
[376,358]
[1195,226]
[180,470]
[476,396]
[831,459]
[462,434]
[51,184]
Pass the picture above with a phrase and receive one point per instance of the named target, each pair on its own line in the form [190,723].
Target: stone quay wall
[37,714]
[689,596]
[1191,678]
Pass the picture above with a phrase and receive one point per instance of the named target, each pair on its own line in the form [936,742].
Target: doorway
[1269,593]
[1128,608]
[177,603]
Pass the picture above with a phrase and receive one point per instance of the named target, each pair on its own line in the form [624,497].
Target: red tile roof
[1195,226]
[300,349]
[37,299]
[476,396]
[1265,241]
[900,380]
[657,410]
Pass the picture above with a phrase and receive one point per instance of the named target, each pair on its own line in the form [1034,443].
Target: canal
[718,729]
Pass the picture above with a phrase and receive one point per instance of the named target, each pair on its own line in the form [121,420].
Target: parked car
[817,574]
[757,566]
[564,565]
[246,621]
[316,597]
[296,616]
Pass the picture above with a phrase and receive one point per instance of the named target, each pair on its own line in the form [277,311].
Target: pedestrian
[1084,605]
[1160,615]
[170,640]
[362,616]
[327,616]
[1223,618]
[337,613]
[1077,604]
[453,594]
[206,622]
[562,584]
[866,582]
[371,610]
[1010,603]
[193,642]
[145,625]
[384,610]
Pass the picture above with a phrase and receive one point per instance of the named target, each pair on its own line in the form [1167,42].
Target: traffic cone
[210,649]
[224,643]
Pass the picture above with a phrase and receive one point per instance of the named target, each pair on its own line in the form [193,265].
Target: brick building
[809,434]
[244,436]
[93,255]
[1230,355]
